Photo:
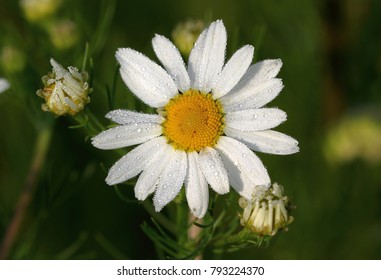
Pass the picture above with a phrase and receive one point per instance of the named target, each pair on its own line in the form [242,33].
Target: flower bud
[186,33]
[267,212]
[35,10]
[12,59]
[63,34]
[65,91]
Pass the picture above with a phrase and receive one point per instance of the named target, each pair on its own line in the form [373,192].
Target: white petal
[255,119]
[196,187]
[135,161]
[129,117]
[172,61]
[171,180]
[58,69]
[233,71]
[207,57]
[250,96]
[267,141]
[150,176]
[245,169]
[146,79]
[126,135]
[4,85]
[214,171]
[260,72]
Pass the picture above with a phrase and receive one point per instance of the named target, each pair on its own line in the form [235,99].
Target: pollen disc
[193,120]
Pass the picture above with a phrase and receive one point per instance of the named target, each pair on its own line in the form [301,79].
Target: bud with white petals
[267,212]
[65,91]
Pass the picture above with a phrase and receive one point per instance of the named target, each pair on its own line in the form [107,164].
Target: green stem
[240,237]
[182,223]
[26,196]
[161,219]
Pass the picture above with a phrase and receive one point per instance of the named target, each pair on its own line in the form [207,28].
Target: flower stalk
[26,196]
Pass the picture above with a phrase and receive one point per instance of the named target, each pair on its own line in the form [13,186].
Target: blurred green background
[331,52]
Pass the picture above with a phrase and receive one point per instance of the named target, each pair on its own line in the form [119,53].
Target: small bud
[186,33]
[356,136]
[12,60]
[63,34]
[4,85]
[65,91]
[36,10]
[267,212]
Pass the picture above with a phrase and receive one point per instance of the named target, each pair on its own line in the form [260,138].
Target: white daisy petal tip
[172,61]
[171,179]
[207,58]
[233,71]
[145,78]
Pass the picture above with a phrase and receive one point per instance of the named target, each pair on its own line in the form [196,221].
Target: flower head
[36,10]
[65,91]
[4,85]
[267,211]
[209,117]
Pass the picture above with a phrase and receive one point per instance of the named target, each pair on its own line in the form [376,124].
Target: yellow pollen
[193,120]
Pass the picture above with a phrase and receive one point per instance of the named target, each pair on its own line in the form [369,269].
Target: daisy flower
[209,119]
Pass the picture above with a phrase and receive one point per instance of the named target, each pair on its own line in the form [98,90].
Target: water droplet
[270,90]
[255,116]
[244,155]
[139,130]
[212,166]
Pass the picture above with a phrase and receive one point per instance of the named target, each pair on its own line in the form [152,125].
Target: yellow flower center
[193,120]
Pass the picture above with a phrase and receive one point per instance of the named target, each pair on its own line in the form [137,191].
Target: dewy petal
[260,72]
[126,135]
[255,119]
[267,141]
[214,171]
[252,96]
[207,57]
[150,176]
[245,169]
[135,161]
[171,180]
[233,71]
[172,61]
[130,117]
[146,79]
[58,69]
[196,187]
